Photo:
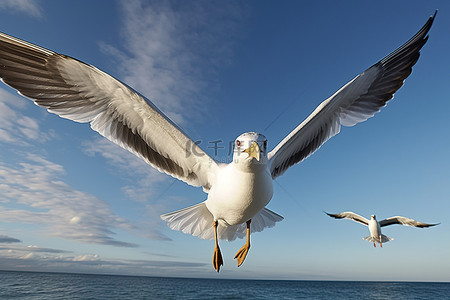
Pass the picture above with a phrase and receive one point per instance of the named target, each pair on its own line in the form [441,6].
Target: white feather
[197,220]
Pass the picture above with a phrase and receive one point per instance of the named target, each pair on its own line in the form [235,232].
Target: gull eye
[238,143]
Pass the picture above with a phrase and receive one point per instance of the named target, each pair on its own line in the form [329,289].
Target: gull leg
[374,244]
[242,253]
[217,256]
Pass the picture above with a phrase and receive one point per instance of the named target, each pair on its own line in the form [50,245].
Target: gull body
[242,188]
[375,233]
[238,192]
[375,227]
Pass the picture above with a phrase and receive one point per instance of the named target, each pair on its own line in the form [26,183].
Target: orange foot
[242,253]
[217,259]
[217,256]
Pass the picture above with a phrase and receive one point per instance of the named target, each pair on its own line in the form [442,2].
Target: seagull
[237,192]
[375,226]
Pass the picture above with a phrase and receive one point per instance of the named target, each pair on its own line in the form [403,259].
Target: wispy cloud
[15,126]
[142,178]
[144,184]
[29,7]
[35,184]
[27,258]
[31,248]
[171,51]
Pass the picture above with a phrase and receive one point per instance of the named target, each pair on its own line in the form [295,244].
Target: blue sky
[71,201]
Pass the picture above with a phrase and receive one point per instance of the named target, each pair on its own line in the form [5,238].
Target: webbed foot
[242,253]
[217,259]
[217,256]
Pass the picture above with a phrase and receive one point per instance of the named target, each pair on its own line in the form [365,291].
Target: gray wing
[350,215]
[82,93]
[355,102]
[404,221]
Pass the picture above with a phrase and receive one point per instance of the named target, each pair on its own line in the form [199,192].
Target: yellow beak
[254,151]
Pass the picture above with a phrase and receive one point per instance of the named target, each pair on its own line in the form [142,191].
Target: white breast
[237,196]
[374,228]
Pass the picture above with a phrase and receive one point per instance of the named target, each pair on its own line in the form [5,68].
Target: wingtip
[330,215]
[430,21]
[428,24]
[430,225]
[434,15]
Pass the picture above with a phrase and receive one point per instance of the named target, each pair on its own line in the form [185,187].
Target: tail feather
[197,220]
[265,218]
[384,239]
[369,238]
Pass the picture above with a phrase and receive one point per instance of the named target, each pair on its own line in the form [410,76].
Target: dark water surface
[31,285]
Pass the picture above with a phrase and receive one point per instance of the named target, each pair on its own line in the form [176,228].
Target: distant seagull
[238,192]
[375,226]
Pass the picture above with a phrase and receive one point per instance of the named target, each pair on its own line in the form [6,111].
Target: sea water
[34,285]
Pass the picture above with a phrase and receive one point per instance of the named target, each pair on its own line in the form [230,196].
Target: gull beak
[254,151]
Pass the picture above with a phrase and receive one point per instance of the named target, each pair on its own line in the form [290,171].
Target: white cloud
[143,179]
[144,184]
[87,257]
[54,260]
[28,256]
[15,127]
[30,7]
[29,127]
[5,136]
[171,51]
[35,185]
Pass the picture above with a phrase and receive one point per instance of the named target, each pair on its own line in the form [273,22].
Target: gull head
[373,217]
[250,150]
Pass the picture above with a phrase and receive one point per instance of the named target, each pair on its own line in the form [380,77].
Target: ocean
[33,285]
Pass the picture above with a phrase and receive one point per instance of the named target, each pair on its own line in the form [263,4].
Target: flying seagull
[238,192]
[375,226]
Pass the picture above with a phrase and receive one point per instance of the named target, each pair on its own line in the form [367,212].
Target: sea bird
[375,227]
[238,192]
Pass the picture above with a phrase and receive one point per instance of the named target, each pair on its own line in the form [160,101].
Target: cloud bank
[29,259]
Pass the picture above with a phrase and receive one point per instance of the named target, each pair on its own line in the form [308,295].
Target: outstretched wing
[403,221]
[355,102]
[350,215]
[82,93]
